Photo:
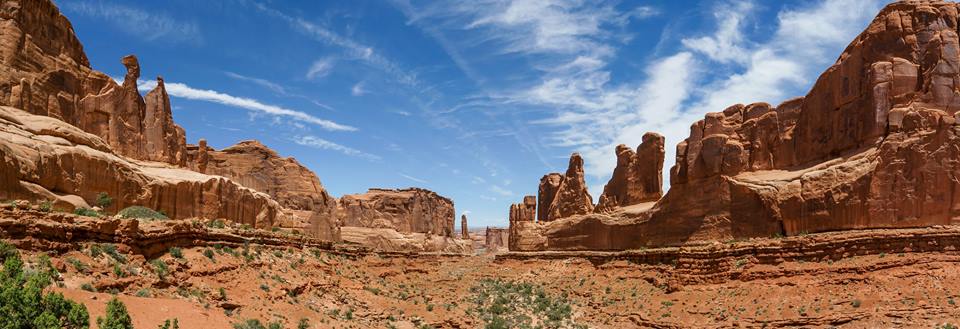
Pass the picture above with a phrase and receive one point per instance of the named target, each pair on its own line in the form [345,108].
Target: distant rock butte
[874,144]
[412,210]
[496,239]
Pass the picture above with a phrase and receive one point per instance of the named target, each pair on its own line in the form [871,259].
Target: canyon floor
[213,285]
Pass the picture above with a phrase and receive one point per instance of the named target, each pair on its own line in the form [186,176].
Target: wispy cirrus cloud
[418,180]
[323,144]
[181,90]
[320,68]
[352,48]
[275,88]
[149,25]
[358,89]
[500,190]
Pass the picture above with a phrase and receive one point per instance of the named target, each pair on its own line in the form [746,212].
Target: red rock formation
[412,210]
[549,185]
[638,176]
[163,140]
[872,145]
[42,158]
[43,70]
[496,238]
[258,167]
[464,232]
[522,216]
[572,197]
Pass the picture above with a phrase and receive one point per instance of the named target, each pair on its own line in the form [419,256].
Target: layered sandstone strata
[872,145]
[44,71]
[412,210]
[258,167]
[42,158]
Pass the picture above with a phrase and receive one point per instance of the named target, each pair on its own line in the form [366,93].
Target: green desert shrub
[117,316]
[104,200]
[86,212]
[24,305]
[175,324]
[140,212]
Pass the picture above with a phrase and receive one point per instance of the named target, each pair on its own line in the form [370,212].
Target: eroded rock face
[412,210]
[43,70]
[464,231]
[572,197]
[42,158]
[258,167]
[549,185]
[874,144]
[496,238]
[638,176]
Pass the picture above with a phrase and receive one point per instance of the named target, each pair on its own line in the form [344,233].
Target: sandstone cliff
[258,167]
[42,158]
[44,71]
[872,145]
[412,210]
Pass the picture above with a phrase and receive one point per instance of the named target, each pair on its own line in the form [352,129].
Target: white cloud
[726,45]
[418,180]
[499,190]
[276,88]
[320,68]
[320,143]
[547,26]
[353,49]
[184,91]
[150,26]
[357,89]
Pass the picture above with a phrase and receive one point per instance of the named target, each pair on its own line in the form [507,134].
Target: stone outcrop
[872,145]
[163,140]
[638,176]
[522,219]
[258,167]
[42,158]
[572,197]
[388,239]
[412,210]
[464,231]
[496,239]
[549,185]
[44,71]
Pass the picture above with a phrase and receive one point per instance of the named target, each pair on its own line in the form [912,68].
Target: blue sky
[473,99]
